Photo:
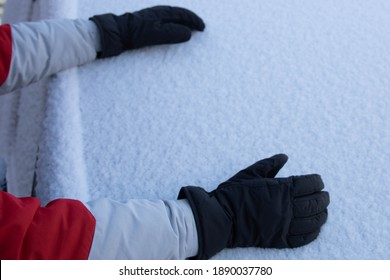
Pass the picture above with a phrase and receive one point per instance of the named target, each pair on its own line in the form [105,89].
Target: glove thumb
[265,168]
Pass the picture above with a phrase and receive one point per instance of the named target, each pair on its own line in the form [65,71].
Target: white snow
[305,78]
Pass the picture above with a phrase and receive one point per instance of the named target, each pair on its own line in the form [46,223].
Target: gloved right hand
[254,209]
[147,27]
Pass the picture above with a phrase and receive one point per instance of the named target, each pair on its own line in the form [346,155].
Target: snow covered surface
[305,78]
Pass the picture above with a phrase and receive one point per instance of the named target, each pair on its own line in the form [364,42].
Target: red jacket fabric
[64,229]
[5,51]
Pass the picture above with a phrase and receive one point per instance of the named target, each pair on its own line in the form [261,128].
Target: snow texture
[305,78]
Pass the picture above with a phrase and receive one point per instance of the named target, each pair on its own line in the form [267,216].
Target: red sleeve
[5,51]
[63,229]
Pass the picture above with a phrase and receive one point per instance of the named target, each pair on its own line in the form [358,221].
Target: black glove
[151,26]
[254,209]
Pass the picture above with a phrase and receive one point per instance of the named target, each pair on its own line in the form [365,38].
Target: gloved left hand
[147,27]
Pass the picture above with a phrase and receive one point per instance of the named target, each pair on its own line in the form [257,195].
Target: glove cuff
[110,35]
[213,225]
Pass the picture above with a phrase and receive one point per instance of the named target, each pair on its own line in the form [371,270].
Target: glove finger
[307,184]
[176,15]
[301,240]
[304,226]
[310,205]
[265,168]
[186,17]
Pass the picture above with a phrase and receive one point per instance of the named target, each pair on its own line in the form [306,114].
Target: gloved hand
[254,209]
[151,26]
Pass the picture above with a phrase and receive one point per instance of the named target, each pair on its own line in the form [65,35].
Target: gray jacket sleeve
[42,48]
[143,229]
